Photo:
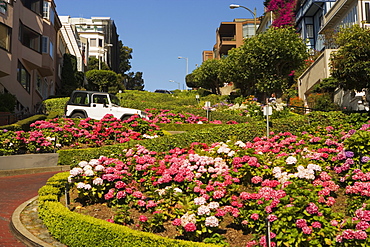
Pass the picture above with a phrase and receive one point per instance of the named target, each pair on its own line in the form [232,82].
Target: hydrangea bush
[296,183]
[49,135]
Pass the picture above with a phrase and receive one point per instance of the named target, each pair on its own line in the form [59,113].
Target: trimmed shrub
[73,229]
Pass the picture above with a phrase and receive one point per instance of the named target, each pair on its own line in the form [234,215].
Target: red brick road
[14,190]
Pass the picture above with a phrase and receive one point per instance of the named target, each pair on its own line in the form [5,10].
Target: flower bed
[296,183]
[47,136]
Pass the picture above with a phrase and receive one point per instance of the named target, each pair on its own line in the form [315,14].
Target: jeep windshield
[114,100]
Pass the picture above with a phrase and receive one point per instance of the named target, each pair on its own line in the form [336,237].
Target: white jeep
[95,105]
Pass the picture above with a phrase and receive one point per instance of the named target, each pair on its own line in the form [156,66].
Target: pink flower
[121,194]
[334,223]
[151,204]
[272,217]
[176,222]
[190,227]
[312,208]
[307,230]
[255,216]
[316,224]
[300,223]
[143,218]
[256,179]
[362,225]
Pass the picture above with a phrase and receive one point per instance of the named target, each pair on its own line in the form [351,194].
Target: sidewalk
[15,190]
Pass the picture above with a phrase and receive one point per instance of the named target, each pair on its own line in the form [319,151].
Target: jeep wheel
[125,118]
[78,115]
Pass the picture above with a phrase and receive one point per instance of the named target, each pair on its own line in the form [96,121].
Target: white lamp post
[234,6]
[187,66]
[178,83]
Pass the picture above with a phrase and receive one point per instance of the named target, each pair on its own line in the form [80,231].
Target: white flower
[98,181]
[87,167]
[188,218]
[75,171]
[211,221]
[99,168]
[240,144]
[177,190]
[83,163]
[87,187]
[94,162]
[199,201]
[202,210]
[80,185]
[213,205]
[291,160]
[314,167]
[89,173]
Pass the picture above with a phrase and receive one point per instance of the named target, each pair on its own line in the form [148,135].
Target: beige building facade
[30,52]
[343,13]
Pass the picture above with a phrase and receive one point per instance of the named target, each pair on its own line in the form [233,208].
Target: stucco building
[30,52]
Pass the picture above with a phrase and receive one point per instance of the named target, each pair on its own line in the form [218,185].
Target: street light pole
[178,83]
[254,13]
[187,66]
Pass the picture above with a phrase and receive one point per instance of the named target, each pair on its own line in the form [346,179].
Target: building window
[5,37]
[367,12]
[93,42]
[100,43]
[34,5]
[29,38]
[45,44]
[309,31]
[3,6]
[38,83]
[23,76]
[48,12]
[51,50]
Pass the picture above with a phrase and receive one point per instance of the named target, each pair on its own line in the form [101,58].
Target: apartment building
[310,20]
[231,35]
[30,51]
[77,46]
[342,13]
[99,38]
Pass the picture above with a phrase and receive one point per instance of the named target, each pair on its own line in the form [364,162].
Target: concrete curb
[5,173]
[21,232]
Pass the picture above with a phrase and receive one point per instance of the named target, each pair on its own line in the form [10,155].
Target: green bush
[23,124]
[7,102]
[55,107]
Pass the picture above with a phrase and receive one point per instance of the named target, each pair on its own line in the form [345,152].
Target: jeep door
[99,106]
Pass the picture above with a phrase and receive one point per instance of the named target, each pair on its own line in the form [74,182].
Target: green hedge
[23,124]
[73,229]
[244,132]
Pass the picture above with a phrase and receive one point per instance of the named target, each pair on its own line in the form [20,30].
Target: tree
[134,81]
[350,65]
[69,74]
[208,75]
[93,64]
[266,62]
[190,81]
[124,58]
[238,68]
[103,81]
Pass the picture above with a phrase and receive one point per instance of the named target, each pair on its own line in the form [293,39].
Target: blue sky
[159,31]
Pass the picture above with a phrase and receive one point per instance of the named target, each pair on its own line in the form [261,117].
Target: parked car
[163,91]
[84,104]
